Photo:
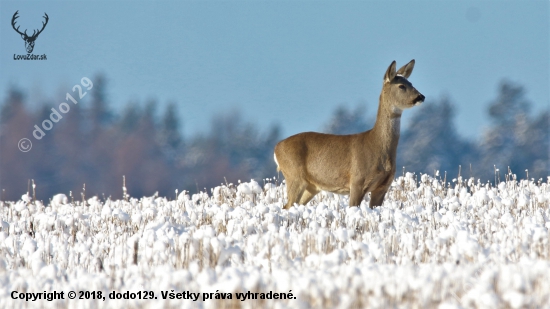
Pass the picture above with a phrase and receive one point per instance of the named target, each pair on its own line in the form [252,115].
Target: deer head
[29,40]
[397,90]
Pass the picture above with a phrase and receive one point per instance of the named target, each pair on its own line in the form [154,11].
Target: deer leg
[377,196]
[295,190]
[307,195]
[356,195]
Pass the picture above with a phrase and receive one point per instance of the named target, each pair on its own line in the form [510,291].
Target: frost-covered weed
[431,244]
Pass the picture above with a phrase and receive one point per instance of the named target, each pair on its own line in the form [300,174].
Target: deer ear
[407,69]
[390,73]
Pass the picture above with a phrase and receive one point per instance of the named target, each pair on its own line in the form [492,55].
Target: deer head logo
[29,40]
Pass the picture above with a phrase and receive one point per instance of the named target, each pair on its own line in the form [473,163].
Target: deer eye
[402,87]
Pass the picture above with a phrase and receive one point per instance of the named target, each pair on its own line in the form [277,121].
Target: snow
[430,244]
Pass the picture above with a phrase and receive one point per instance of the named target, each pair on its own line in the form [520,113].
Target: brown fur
[350,164]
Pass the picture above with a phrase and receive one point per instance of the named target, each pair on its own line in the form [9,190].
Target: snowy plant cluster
[433,244]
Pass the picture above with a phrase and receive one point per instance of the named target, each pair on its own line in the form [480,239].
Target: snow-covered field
[431,245]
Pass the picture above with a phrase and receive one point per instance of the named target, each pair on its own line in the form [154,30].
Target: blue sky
[285,62]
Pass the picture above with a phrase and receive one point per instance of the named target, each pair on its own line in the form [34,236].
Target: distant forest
[94,147]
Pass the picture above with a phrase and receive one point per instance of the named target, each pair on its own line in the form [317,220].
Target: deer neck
[388,125]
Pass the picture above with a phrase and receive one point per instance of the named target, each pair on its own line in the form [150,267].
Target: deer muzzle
[419,99]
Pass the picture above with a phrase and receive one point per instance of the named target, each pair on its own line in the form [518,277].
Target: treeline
[92,147]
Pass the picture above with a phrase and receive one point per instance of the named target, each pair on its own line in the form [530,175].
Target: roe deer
[350,164]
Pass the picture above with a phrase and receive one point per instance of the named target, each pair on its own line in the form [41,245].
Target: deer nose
[420,98]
